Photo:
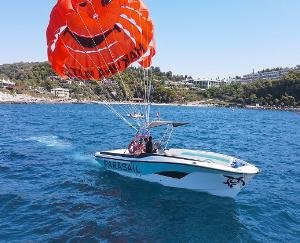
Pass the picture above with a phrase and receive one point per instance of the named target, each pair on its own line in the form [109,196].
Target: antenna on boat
[148,98]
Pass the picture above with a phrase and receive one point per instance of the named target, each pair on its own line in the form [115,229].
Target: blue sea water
[52,189]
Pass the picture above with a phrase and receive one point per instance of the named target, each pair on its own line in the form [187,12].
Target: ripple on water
[9,202]
[13,154]
[4,168]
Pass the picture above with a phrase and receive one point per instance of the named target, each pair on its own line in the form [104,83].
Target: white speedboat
[210,172]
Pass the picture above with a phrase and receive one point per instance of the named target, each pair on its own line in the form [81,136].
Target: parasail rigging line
[106,102]
[71,55]
[118,71]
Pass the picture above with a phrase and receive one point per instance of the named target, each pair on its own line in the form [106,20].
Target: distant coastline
[36,83]
[8,98]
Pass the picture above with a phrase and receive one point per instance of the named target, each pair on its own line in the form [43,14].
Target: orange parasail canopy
[95,39]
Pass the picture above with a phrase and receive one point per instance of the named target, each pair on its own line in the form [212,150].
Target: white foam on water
[51,141]
[89,158]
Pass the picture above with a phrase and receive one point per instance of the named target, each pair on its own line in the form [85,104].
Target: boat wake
[51,141]
[62,144]
[89,158]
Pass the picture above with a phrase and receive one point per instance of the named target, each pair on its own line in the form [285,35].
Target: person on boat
[156,147]
[145,143]
[140,148]
[149,146]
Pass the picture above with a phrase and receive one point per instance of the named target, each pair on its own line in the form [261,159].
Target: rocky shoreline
[8,98]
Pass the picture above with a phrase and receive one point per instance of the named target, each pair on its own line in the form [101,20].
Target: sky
[202,38]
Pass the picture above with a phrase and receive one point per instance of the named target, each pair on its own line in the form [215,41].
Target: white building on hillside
[270,75]
[61,93]
[206,83]
[273,74]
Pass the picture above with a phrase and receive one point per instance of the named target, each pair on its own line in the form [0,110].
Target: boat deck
[201,156]
[204,159]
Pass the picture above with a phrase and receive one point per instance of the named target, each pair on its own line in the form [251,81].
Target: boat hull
[180,175]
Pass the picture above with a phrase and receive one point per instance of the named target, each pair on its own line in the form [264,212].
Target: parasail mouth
[91,42]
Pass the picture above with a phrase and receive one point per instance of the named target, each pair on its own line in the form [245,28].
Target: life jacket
[133,147]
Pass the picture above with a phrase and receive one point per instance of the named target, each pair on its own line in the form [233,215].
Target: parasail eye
[83,4]
[105,2]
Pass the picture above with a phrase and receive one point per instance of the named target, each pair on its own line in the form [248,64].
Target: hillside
[38,79]
[279,93]
[30,77]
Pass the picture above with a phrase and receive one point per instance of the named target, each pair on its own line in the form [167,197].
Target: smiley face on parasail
[95,39]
